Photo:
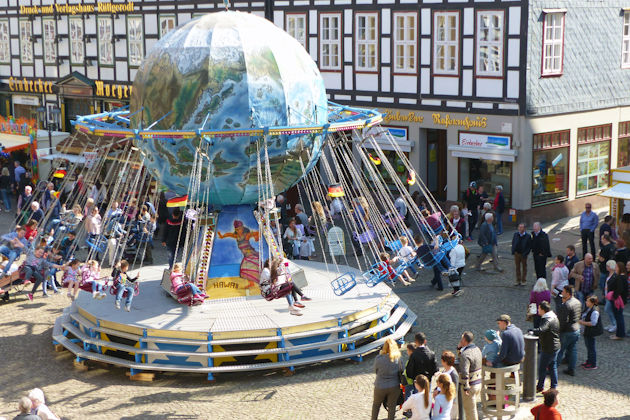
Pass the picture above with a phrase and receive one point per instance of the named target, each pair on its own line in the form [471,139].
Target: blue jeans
[437,277]
[548,362]
[5,199]
[193,288]
[11,254]
[121,290]
[568,345]
[97,287]
[499,223]
[50,281]
[52,224]
[591,354]
[290,299]
[621,324]
[611,315]
[602,281]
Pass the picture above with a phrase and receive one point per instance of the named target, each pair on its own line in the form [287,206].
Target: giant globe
[228,71]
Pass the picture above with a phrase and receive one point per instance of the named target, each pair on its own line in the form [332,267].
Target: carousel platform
[232,334]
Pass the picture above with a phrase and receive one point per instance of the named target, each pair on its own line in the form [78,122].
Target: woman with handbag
[592,323]
[388,368]
[458,261]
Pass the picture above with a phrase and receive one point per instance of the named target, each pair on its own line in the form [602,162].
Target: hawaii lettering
[467,122]
[73,9]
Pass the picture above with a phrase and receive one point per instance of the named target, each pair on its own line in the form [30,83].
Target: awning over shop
[13,142]
[621,191]
[487,153]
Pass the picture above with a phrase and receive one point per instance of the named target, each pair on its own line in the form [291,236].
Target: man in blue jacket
[521,246]
[512,342]
[588,223]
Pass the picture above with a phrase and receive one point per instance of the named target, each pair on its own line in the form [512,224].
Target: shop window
[553,44]
[330,41]
[490,44]
[76,40]
[167,23]
[593,158]
[625,49]
[5,44]
[26,42]
[367,41]
[405,42]
[446,42]
[296,27]
[486,173]
[135,40]
[623,156]
[50,46]
[550,167]
[105,46]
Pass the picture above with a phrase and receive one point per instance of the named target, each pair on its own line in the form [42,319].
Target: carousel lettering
[223,285]
[32,86]
[112,91]
[467,122]
[411,117]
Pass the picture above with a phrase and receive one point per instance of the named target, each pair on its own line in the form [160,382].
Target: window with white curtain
[553,44]
[50,46]
[490,43]
[366,37]
[76,40]
[105,46]
[135,40]
[296,27]
[26,43]
[5,43]
[446,43]
[405,42]
[330,41]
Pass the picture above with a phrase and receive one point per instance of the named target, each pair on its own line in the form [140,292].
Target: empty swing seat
[343,283]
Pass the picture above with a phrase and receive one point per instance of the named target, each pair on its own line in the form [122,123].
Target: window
[50,46]
[551,167]
[553,40]
[490,44]
[105,46]
[593,158]
[625,49]
[26,43]
[135,40]
[166,24]
[405,42]
[624,141]
[367,42]
[446,42]
[5,44]
[296,27]
[330,42]
[76,40]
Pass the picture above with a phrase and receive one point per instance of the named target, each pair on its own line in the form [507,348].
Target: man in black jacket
[422,360]
[172,236]
[521,246]
[549,333]
[568,315]
[540,250]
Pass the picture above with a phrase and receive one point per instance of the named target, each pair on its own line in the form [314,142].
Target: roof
[13,142]
[621,191]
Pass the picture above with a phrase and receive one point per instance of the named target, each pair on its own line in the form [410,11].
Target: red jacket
[542,412]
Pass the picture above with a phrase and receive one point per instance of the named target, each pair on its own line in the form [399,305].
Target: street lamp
[50,126]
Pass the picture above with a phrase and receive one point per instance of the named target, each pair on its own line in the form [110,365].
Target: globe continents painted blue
[229,70]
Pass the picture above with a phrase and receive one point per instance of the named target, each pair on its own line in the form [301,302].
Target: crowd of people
[33,407]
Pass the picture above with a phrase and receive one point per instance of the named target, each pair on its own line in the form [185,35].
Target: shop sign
[26,100]
[467,122]
[32,86]
[398,133]
[477,140]
[112,91]
[410,117]
[73,9]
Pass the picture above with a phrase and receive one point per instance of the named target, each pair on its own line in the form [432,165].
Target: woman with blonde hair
[443,398]
[388,368]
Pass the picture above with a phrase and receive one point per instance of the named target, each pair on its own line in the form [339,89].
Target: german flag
[336,190]
[177,202]
[59,173]
[411,179]
[375,160]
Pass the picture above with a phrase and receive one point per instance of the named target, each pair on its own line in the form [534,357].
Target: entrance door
[436,163]
[75,107]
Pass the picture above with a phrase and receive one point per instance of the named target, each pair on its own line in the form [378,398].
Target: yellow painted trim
[310,327]
[360,314]
[121,327]
[190,335]
[87,315]
[63,118]
[620,170]
[226,335]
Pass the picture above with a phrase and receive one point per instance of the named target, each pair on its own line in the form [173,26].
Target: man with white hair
[541,250]
[488,243]
[37,213]
[40,408]
[25,405]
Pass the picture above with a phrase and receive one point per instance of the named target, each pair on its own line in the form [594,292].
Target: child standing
[592,328]
[72,277]
[125,283]
[420,402]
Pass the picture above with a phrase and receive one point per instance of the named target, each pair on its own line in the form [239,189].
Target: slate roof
[592,75]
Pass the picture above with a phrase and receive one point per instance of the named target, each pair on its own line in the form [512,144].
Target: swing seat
[85,286]
[276,291]
[365,237]
[343,283]
[377,273]
[432,231]
[393,245]
[114,288]
[448,245]
[430,260]
[98,244]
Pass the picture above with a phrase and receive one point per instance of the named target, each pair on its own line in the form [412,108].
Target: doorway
[436,163]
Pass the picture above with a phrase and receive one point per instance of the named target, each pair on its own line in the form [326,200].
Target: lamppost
[50,126]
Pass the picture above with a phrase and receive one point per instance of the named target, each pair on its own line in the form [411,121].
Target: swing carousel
[227,111]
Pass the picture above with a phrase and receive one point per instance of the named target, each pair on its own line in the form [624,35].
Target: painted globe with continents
[228,71]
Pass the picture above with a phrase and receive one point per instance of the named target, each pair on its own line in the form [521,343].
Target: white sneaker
[128,308]
[94,295]
[294,311]
[101,296]
[117,305]
[611,329]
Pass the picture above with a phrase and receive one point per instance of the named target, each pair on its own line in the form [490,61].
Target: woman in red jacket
[547,410]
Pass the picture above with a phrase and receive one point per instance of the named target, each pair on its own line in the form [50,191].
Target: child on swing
[92,273]
[179,281]
[271,289]
[384,257]
[404,255]
[125,283]
[72,277]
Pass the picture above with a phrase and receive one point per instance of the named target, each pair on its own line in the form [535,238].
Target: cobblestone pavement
[328,391]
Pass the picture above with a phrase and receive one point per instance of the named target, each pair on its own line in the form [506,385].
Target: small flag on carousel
[411,179]
[56,194]
[336,190]
[59,173]
[375,160]
[177,202]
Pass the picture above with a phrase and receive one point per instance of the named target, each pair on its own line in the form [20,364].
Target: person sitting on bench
[179,283]
[14,244]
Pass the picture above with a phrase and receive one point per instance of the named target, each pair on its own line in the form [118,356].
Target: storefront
[25,107]
[550,167]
